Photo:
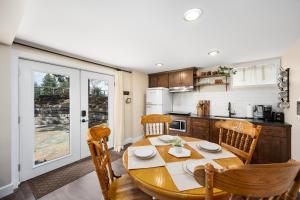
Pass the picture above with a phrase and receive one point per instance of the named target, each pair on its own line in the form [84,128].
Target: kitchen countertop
[252,120]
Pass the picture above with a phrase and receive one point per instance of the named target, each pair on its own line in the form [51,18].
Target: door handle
[84,120]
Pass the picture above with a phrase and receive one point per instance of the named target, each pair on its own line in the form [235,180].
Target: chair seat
[124,188]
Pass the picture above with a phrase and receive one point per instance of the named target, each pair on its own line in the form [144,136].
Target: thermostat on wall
[298,109]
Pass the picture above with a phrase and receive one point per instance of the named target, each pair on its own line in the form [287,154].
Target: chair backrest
[97,137]
[239,136]
[273,181]
[156,124]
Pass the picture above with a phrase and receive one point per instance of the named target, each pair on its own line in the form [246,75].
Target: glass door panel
[97,92]
[51,116]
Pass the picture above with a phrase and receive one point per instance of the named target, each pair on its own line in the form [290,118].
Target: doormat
[46,183]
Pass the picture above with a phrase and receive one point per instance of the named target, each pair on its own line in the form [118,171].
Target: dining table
[158,182]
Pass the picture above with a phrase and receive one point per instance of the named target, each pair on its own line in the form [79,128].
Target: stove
[180,113]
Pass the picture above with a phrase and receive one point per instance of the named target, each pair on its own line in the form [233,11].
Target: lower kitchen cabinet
[274,142]
[200,128]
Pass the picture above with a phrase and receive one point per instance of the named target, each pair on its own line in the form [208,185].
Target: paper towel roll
[249,111]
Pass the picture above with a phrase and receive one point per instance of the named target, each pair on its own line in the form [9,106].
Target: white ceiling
[11,13]
[136,34]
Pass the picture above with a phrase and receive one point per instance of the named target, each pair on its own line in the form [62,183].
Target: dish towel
[219,155]
[182,180]
[137,163]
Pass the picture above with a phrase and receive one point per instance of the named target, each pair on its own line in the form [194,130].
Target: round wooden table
[157,181]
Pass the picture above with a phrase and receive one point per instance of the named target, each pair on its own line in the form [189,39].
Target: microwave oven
[178,125]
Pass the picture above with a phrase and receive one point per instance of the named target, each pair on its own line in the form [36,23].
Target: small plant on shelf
[226,71]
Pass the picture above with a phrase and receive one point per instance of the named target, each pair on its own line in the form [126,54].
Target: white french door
[56,106]
[96,105]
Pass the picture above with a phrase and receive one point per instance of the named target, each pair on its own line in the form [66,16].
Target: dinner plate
[209,146]
[144,153]
[191,165]
[167,138]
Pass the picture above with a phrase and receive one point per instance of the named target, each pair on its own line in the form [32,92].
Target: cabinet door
[153,81]
[163,80]
[174,79]
[187,77]
[200,128]
[214,132]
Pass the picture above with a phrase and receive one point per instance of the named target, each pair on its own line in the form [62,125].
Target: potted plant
[226,71]
[178,144]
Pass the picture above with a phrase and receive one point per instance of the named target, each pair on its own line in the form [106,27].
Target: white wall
[219,98]
[292,60]
[5,116]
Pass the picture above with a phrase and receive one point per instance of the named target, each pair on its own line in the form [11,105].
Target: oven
[178,125]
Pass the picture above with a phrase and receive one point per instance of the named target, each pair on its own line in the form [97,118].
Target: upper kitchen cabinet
[181,78]
[256,73]
[159,80]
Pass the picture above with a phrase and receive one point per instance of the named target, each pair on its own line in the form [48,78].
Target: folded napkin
[157,142]
[218,155]
[182,180]
[137,163]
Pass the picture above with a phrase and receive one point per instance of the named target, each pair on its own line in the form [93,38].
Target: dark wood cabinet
[274,145]
[181,78]
[200,128]
[187,77]
[174,79]
[159,80]
[274,142]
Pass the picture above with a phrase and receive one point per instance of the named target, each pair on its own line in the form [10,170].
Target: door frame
[42,57]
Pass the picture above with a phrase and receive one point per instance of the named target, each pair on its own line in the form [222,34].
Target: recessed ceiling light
[159,64]
[192,14]
[213,53]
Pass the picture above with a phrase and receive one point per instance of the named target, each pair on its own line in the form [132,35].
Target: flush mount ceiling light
[213,53]
[192,14]
[159,64]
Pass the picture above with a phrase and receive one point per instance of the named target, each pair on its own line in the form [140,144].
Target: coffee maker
[263,112]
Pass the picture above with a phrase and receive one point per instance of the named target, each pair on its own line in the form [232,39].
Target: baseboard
[6,190]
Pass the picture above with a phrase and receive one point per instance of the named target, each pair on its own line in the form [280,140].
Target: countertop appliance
[278,116]
[158,101]
[178,125]
[263,112]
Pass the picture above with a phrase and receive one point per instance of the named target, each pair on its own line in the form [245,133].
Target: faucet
[229,110]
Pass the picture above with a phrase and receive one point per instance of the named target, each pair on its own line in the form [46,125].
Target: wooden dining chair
[263,181]
[155,124]
[113,187]
[240,137]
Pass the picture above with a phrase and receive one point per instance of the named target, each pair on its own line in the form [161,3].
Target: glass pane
[98,102]
[52,116]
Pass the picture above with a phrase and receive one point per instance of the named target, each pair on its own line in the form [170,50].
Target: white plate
[209,146]
[167,138]
[144,153]
[191,165]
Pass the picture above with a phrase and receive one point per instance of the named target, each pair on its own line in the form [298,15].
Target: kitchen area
[196,98]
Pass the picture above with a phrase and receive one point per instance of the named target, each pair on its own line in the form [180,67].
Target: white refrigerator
[158,101]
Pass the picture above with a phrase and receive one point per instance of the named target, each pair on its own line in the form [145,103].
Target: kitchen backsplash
[239,99]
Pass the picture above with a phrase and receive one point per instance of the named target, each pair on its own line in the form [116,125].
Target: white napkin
[182,180]
[137,163]
[222,154]
[155,141]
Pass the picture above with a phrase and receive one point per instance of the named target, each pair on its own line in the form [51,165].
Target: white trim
[6,190]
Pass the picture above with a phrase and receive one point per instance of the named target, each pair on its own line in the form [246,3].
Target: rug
[55,179]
